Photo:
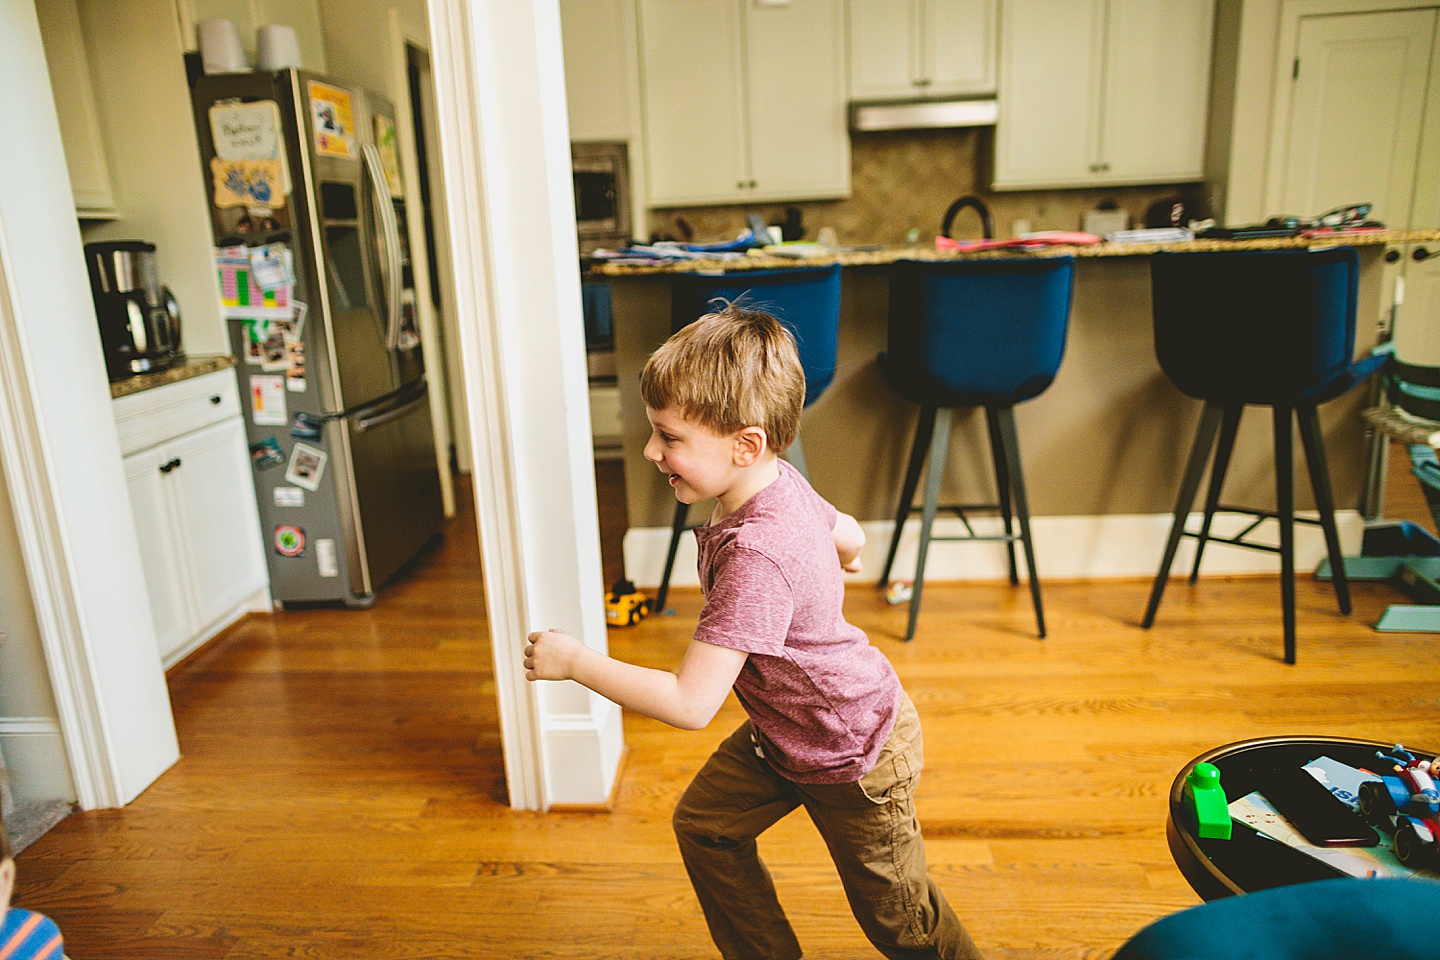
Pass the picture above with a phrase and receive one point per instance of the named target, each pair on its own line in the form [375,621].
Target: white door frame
[505,156]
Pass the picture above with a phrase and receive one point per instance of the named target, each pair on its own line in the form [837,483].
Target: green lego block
[1206,801]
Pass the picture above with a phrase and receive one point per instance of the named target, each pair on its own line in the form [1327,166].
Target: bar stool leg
[1314,445]
[1199,454]
[1002,482]
[924,429]
[934,473]
[1228,429]
[1009,440]
[677,527]
[1285,507]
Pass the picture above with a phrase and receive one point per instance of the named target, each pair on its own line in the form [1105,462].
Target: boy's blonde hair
[728,370]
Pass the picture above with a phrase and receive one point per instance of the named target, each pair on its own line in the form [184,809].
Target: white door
[1355,114]
[221,545]
[691,55]
[795,60]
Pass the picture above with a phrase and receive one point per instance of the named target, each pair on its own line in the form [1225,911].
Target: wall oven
[601,171]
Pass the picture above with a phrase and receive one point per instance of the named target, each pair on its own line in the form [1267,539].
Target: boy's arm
[849,541]
[688,699]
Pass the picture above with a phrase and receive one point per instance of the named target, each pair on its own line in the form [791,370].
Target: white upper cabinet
[599,39]
[743,101]
[69,67]
[1098,92]
[904,49]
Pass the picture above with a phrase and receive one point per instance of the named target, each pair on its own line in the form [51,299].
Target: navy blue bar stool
[806,300]
[1271,328]
[973,333]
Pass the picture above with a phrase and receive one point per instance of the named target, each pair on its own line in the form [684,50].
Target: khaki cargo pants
[869,827]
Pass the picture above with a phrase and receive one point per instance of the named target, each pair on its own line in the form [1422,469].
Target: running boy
[23,935]
[829,727]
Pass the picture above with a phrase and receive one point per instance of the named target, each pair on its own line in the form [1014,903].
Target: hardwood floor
[341,793]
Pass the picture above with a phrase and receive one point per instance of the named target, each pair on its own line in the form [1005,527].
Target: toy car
[1406,803]
[624,605]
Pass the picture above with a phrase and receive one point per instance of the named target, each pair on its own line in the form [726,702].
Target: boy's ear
[750,445]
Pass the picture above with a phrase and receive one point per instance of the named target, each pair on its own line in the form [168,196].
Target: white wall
[30,739]
[138,70]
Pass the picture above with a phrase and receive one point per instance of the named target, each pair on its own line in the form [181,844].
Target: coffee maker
[139,318]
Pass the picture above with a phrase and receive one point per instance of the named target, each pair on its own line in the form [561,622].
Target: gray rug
[28,820]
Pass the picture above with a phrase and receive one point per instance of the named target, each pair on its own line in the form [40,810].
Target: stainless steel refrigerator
[302,174]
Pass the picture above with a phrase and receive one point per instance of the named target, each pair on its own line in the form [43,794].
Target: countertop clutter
[193,366]
[881,257]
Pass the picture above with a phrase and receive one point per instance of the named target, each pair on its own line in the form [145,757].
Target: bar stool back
[806,301]
[1271,328]
[973,333]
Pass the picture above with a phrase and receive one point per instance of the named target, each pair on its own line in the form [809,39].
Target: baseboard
[35,759]
[1114,546]
[258,602]
[582,755]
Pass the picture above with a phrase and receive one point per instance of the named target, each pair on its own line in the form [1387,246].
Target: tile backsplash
[906,180]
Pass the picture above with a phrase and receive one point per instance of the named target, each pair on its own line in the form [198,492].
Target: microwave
[601,175]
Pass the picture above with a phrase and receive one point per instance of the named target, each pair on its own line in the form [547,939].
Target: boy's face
[701,464]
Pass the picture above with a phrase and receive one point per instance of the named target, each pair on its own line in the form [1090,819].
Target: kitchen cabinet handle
[923,82]
[1420,253]
[169,465]
[739,184]
[215,400]
[1392,256]
[752,184]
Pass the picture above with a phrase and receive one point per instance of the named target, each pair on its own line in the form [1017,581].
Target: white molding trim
[1065,548]
[22,454]
[505,148]
[28,726]
[403,35]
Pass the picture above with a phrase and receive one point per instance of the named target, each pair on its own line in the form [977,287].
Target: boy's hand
[550,655]
[853,566]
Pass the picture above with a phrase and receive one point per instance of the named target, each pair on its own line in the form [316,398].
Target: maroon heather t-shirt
[821,700]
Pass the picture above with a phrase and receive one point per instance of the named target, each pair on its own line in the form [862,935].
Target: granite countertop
[194,365]
[1099,250]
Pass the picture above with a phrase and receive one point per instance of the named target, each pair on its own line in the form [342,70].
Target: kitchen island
[1104,447]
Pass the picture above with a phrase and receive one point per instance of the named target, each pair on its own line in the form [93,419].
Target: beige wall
[137,66]
[357,40]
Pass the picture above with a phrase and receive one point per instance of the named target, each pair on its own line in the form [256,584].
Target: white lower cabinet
[194,508]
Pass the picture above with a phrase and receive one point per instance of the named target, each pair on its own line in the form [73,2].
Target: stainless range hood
[922,115]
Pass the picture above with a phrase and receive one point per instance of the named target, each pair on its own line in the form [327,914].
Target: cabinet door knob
[215,400]
[1420,253]
[169,465]
[739,184]
[752,184]
[1392,256]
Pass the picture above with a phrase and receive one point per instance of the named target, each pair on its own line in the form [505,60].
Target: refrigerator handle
[385,207]
[409,402]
